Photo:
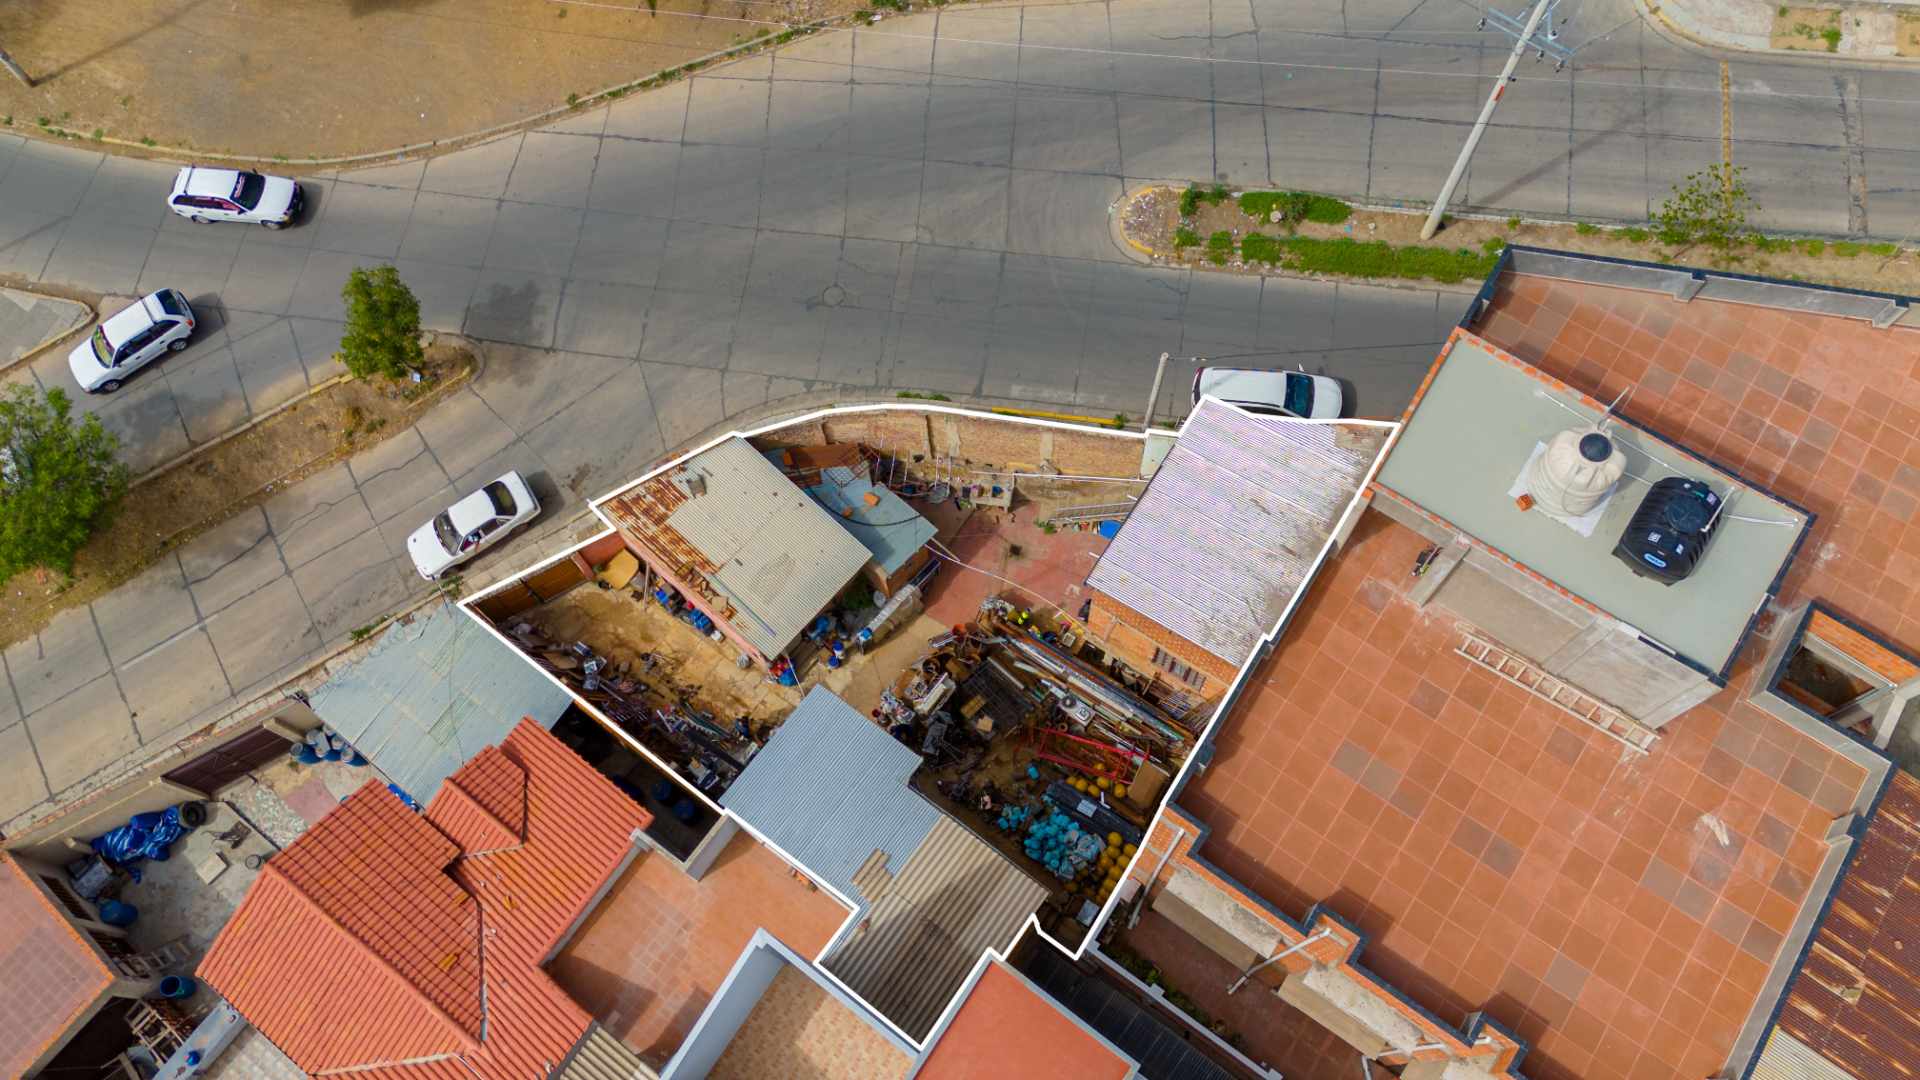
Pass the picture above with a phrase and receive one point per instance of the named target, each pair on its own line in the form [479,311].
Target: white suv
[161,322]
[204,195]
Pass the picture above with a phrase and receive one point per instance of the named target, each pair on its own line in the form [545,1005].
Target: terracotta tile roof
[44,961]
[400,944]
[1007,1027]
[1859,952]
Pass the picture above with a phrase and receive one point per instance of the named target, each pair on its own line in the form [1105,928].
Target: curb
[93,316]
[1655,16]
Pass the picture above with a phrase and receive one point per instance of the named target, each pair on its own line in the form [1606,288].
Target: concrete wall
[729,1008]
[972,440]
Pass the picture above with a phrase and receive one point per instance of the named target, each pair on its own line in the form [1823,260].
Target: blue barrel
[305,755]
[175,987]
[115,913]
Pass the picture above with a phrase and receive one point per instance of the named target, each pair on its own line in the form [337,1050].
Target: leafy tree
[1710,207]
[383,324]
[59,480]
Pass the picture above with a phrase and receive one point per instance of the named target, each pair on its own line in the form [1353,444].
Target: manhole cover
[834,296]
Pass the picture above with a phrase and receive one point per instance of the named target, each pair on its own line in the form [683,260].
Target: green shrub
[1586,228]
[1513,222]
[1190,202]
[382,332]
[1369,259]
[1634,235]
[1295,206]
[1847,249]
[1184,237]
[1494,245]
[1220,242]
[1884,251]
[1815,248]
[1255,247]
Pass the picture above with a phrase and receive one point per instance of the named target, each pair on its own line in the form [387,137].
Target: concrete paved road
[917,206]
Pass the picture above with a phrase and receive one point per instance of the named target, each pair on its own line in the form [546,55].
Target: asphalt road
[918,206]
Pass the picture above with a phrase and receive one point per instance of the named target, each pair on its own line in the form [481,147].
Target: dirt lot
[171,508]
[1152,215]
[315,78]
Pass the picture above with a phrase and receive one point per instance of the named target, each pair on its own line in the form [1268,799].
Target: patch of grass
[7,120]
[362,633]
[1634,234]
[1494,245]
[573,101]
[1884,251]
[1847,249]
[1221,241]
[918,396]
[147,140]
[1369,259]
[99,133]
[1295,207]
[890,5]
[1831,35]
[1513,222]
[1783,11]
[1586,228]
[1772,245]
[1191,198]
[1815,248]
[1183,237]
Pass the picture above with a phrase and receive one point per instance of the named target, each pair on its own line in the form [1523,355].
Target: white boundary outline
[922,1046]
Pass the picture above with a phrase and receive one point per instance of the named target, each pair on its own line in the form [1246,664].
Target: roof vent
[1576,472]
[1669,531]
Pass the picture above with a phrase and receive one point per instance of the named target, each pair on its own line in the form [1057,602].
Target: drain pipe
[1281,955]
[1179,834]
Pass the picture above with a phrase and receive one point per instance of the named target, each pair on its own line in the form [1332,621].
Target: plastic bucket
[176,987]
[115,913]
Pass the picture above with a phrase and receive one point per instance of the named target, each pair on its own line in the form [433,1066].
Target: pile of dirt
[165,510]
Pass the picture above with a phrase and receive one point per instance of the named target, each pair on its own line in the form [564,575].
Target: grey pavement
[29,321]
[920,205]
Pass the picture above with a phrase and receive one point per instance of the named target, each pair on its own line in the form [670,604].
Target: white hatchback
[1281,393]
[204,195]
[471,525]
[160,322]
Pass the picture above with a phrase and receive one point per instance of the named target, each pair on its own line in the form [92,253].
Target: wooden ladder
[1564,696]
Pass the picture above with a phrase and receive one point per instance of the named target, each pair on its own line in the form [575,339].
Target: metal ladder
[1074,515]
[158,961]
[1568,698]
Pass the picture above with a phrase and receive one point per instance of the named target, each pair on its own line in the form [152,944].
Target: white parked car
[469,526]
[205,195]
[161,322]
[1277,393]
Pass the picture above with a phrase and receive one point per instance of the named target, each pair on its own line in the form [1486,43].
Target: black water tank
[1669,531]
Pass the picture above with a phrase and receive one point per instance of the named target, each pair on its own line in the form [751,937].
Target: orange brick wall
[972,440]
[1132,637]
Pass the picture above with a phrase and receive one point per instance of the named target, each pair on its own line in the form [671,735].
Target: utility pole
[18,71]
[1523,40]
[1153,396]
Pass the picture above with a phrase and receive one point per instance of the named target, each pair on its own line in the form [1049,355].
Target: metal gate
[229,761]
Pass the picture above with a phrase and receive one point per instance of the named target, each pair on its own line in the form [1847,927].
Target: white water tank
[1576,471]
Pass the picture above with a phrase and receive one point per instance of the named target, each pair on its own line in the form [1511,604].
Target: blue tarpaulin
[145,836]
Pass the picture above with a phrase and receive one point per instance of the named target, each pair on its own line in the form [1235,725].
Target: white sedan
[1277,393]
[471,525]
[204,195]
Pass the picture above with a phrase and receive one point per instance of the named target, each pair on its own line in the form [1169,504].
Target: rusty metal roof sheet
[729,516]
[1232,522]
[1856,999]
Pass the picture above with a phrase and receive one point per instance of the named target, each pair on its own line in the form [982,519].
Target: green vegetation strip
[1371,259]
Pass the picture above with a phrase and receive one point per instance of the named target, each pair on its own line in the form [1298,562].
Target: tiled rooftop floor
[651,955]
[1053,566]
[1499,853]
[1822,410]
[798,1030]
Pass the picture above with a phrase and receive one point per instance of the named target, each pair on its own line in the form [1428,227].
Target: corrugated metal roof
[601,1056]
[1231,523]
[361,945]
[1787,1058]
[1860,952]
[890,529]
[51,975]
[830,789]
[774,556]
[430,694]
[956,898]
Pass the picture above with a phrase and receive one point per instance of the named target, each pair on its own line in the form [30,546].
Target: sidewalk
[1888,31]
[30,322]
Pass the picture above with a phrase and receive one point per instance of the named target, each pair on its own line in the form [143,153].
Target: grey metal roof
[779,558]
[954,899]
[830,789]
[890,529]
[432,693]
[1472,432]
[1232,522]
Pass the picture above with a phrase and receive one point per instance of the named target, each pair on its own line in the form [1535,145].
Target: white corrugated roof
[1232,522]
[830,789]
[780,558]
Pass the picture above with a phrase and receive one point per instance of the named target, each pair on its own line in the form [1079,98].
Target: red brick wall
[972,440]
[1132,637]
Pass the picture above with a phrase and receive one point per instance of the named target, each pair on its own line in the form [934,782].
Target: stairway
[1564,696]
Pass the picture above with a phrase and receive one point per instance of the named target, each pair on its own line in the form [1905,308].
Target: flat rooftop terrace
[659,944]
[1500,854]
[1821,410]
[1474,428]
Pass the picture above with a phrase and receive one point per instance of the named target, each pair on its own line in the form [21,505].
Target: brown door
[229,761]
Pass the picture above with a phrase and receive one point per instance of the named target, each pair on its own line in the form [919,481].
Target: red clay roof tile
[47,967]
